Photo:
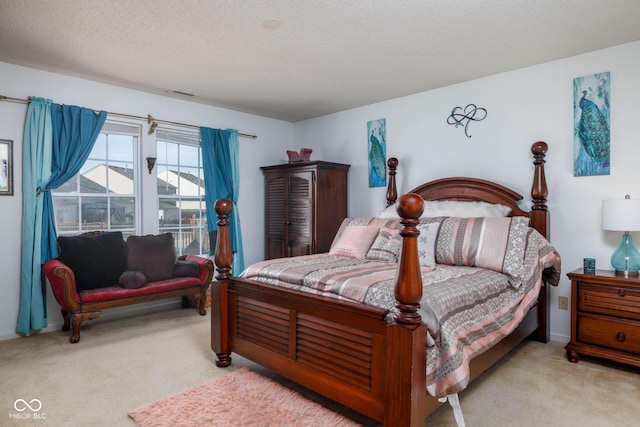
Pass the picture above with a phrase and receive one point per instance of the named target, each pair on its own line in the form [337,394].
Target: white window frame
[181,229]
[111,127]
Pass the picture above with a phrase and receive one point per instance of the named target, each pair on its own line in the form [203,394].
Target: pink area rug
[241,398]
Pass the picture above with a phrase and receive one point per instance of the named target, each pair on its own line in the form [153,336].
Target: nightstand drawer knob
[620,336]
[622,292]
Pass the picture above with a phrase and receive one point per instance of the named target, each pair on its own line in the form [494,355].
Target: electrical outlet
[563,303]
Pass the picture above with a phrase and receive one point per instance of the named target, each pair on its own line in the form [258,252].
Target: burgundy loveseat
[95,271]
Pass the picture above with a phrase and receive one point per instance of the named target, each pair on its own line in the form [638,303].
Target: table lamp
[623,215]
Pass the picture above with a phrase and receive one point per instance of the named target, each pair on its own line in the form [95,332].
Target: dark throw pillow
[154,256]
[185,268]
[131,279]
[97,260]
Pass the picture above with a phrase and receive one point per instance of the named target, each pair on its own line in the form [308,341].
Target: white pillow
[355,241]
[427,243]
[389,212]
[461,209]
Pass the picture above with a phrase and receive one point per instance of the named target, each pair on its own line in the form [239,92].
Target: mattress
[466,309]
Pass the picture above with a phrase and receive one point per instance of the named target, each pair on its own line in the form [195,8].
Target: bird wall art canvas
[377,135]
[591,132]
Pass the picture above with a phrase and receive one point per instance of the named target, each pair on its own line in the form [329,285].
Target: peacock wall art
[591,148]
[377,145]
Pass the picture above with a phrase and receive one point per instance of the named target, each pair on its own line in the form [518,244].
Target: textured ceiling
[327,56]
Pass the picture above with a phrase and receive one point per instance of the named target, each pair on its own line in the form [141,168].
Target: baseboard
[108,315]
[559,338]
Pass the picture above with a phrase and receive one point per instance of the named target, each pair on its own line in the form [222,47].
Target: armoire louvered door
[305,204]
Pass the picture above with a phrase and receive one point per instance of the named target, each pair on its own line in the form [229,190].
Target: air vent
[179,92]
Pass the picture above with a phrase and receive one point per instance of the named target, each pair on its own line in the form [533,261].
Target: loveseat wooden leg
[185,302]
[203,300]
[65,318]
[76,320]
[75,333]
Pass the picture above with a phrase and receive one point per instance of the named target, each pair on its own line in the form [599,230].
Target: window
[104,194]
[181,202]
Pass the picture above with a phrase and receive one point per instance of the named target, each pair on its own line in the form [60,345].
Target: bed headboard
[474,189]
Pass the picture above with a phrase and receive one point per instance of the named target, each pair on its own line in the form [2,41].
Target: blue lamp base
[626,258]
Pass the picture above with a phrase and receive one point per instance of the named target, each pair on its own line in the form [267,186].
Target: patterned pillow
[427,243]
[355,241]
[387,245]
[493,243]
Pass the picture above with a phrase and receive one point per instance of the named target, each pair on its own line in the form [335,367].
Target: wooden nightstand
[605,317]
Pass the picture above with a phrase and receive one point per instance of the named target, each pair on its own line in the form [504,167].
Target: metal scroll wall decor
[463,116]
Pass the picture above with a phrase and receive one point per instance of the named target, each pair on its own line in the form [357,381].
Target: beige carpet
[120,365]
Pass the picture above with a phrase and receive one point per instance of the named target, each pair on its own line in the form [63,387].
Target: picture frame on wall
[377,152]
[592,118]
[6,167]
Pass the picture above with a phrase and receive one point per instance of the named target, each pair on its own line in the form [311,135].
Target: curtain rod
[152,121]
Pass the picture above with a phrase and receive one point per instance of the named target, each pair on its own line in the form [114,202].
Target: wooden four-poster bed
[369,358]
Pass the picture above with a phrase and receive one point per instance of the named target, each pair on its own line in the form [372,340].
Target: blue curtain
[36,161]
[75,131]
[57,141]
[221,162]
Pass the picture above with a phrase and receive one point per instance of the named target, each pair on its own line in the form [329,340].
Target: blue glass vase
[626,258]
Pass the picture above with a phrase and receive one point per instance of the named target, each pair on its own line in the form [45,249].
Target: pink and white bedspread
[466,309]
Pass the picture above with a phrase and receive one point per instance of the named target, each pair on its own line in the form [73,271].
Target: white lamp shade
[621,214]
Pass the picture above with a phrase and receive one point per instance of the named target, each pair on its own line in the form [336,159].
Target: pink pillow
[355,241]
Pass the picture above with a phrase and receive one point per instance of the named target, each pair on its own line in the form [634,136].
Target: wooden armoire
[305,204]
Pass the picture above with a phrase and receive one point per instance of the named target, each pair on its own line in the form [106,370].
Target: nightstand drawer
[608,332]
[611,300]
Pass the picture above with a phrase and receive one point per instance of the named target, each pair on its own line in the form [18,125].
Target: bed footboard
[346,351]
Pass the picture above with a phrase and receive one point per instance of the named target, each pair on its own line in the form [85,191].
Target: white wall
[274,137]
[524,106]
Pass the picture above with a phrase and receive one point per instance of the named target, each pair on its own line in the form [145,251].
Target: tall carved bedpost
[392,192]
[540,221]
[223,253]
[406,348]
[219,287]
[408,286]
[539,190]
